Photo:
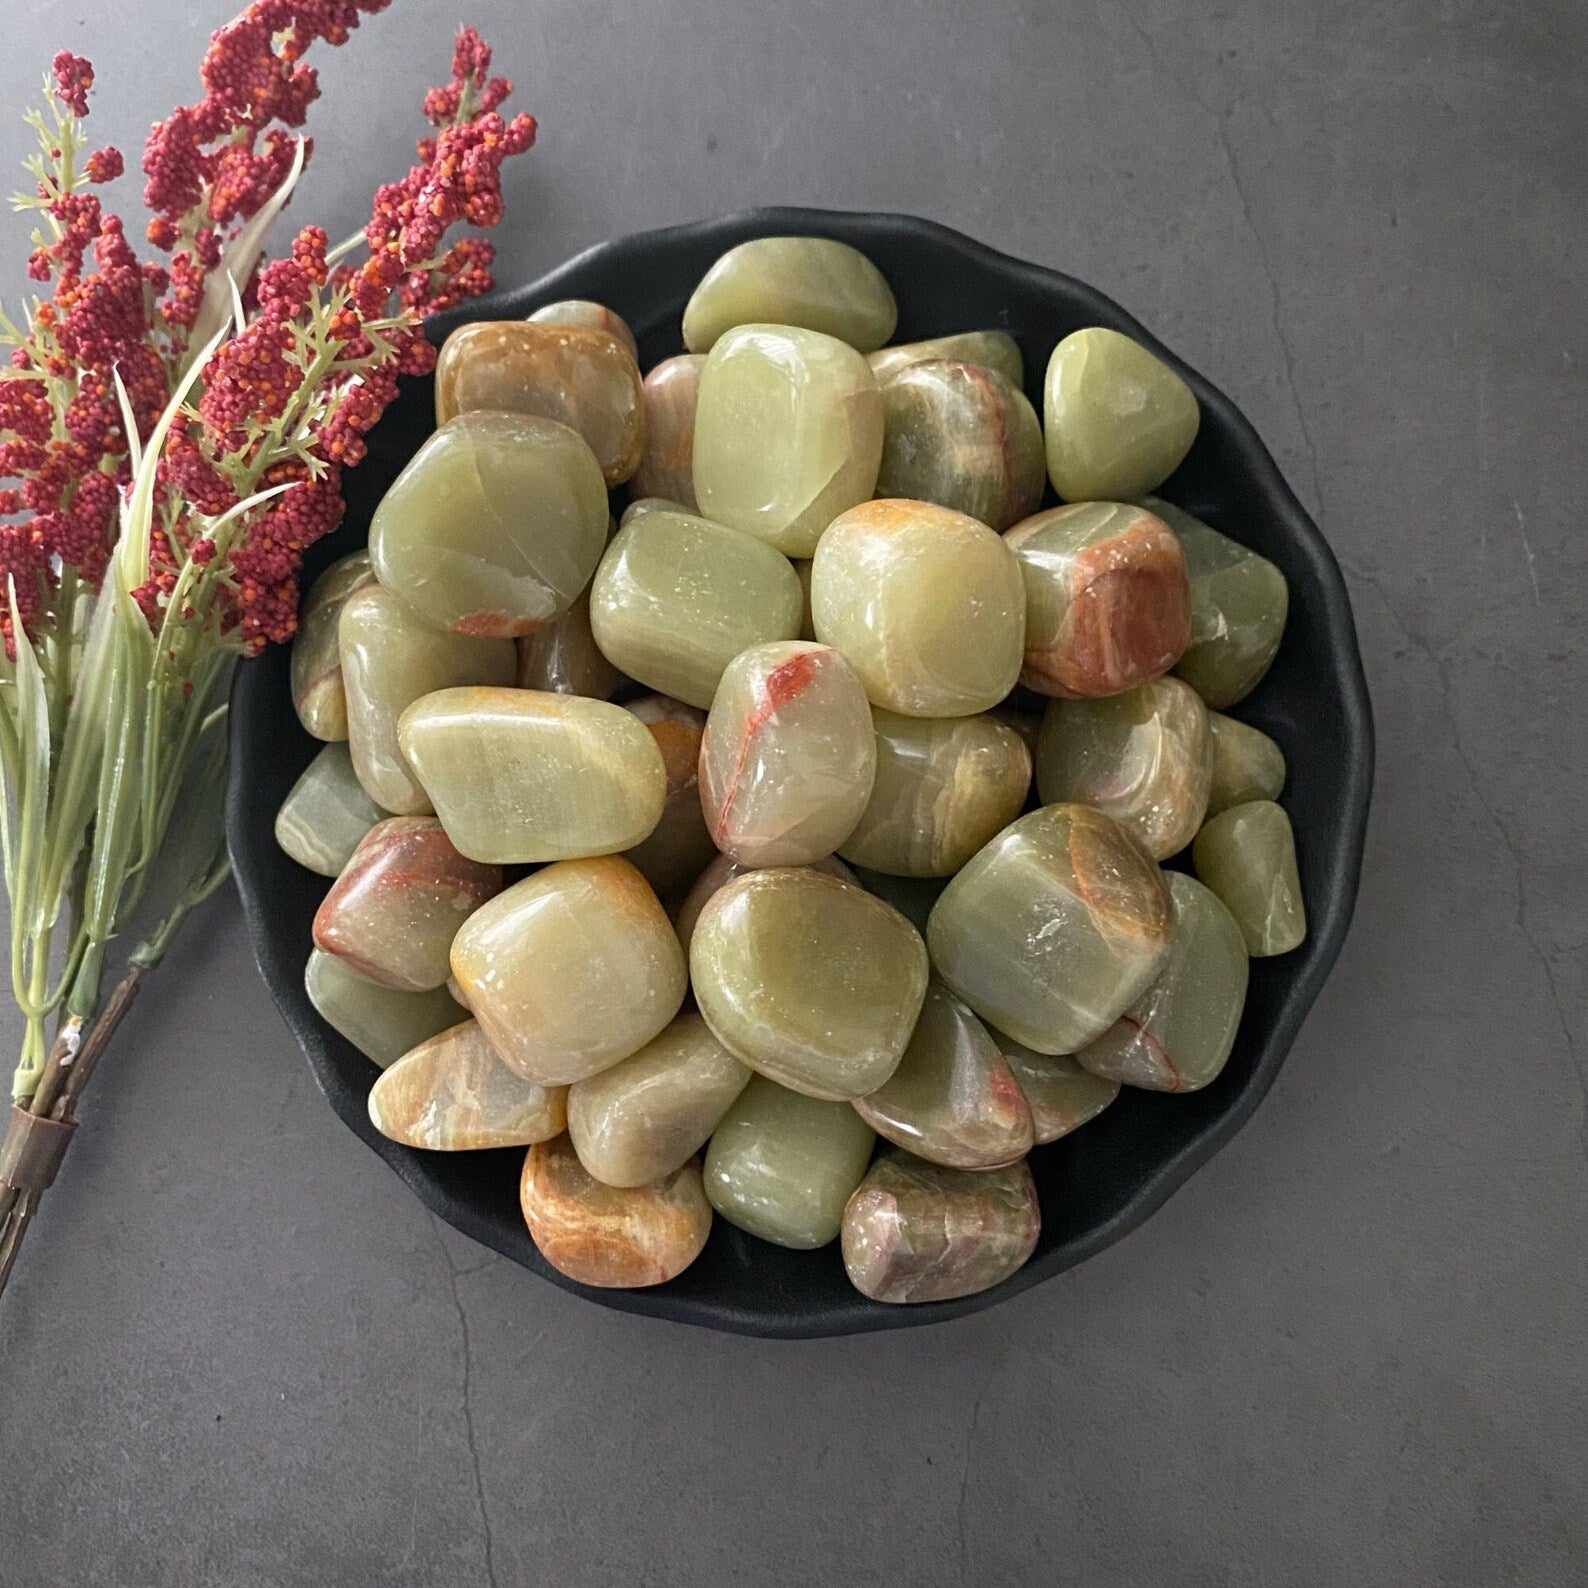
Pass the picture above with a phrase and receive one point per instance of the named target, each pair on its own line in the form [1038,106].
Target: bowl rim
[1329,916]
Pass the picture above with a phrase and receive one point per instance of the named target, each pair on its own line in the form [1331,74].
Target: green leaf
[119,793]
[31,779]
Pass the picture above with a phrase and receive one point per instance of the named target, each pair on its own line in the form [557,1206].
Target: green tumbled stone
[1177,1035]
[964,437]
[1053,929]
[494,527]
[719,872]
[1118,420]
[641,505]
[1246,764]
[813,282]
[326,813]
[317,694]
[676,598]
[811,981]
[1140,757]
[1247,856]
[1238,606]
[381,1022]
[1062,1096]
[782,1166]
[788,433]
[582,311]
[992,349]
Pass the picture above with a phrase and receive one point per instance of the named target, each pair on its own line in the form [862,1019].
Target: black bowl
[1106,1178]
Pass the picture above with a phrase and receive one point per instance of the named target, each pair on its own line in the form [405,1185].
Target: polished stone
[381,1022]
[788,434]
[667,465]
[582,311]
[1245,764]
[1053,929]
[718,874]
[1247,856]
[641,505]
[325,813]
[1062,1096]
[915,1231]
[995,350]
[912,897]
[317,694]
[925,602]
[679,845]
[562,657]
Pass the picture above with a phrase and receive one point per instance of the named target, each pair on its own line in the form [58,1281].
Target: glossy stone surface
[495,525]
[1062,1096]
[1118,420]
[641,505]
[676,598]
[521,775]
[391,657]
[381,1022]
[718,874]
[1177,1035]
[454,1094]
[1247,856]
[325,813]
[953,1100]
[1141,757]
[1108,603]
[963,436]
[943,787]
[317,695]
[679,845]
[811,981]
[1053,929]
[915,1231]
[582,311]
[788,433]
[782,1166]
[811,282]
[649,1115]
[393,912]
[616,1238]
[563,658]
[571,970]
[1239,602]
[667,465]
[788,756]
[581,377]
[1244,764]
[925,602]
[995,350]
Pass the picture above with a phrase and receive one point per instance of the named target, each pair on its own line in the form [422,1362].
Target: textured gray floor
[1352,1349]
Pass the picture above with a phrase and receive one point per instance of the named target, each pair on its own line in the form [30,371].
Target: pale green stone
[1062,1096]
[812,282]
[1118,420]
[1246,764]
[992,349]
[782,1166]
[583,311]
[720,871]
[326,813]
[381,1022]
[788,434]
[317,694]
[1247,856]
[642,505]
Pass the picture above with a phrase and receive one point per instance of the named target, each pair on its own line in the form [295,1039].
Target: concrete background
[1352,1349]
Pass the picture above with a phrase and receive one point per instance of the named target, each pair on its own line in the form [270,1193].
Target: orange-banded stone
[667,465]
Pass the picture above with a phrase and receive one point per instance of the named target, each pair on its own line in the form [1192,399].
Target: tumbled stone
[782,1165]
[995,350]
[317,695]
[1245,764]
[953,1100]
[810,980]
[1118,420]
[925,602]
[943,787]
[582,311]
[813,282]
[563,658]
[1053,929]
[718,874]
[571,970]
[649,1115]
[912,897]
[964,437]
[452,1093]
[580,377]
[915,1231]
[679,845]
[521,775]
[788,755]
[642,505]
[1062,1096]
[393,912]
[1108,605]
[391,657]
[1247,856]
[381,1022]
[1239,602]
[788,434]
[667,465]
[1177,1035]
[676,598]
[495,525]
[325,813]
[618,1238]
[1141,757]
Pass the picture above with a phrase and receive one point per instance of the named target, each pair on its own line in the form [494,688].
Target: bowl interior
[1094,1185]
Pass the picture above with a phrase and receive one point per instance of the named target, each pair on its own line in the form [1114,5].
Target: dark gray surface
[1351,1350]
